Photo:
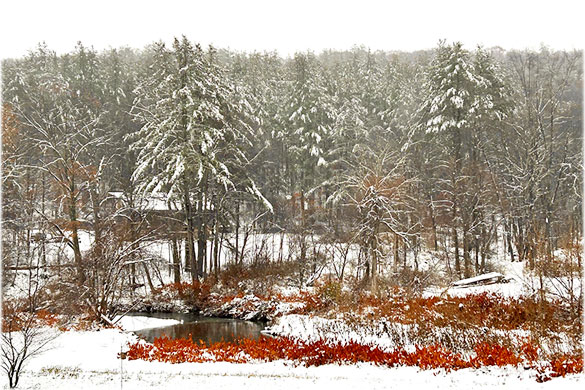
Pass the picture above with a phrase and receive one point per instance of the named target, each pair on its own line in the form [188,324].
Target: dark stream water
[208,329]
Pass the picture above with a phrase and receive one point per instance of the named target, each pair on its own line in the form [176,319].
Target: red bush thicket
[320,352]
[193,293]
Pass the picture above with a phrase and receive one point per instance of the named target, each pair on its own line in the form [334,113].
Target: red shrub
[192,293]
[316,353]
[494,355]
[529,352]
[47,317]
[566,365]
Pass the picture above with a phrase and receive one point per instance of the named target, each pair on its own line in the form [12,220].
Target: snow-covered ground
[513,289]
[134,323]
[311,329]
[88,360]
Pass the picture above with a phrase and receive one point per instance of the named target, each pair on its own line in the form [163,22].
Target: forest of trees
[453,150]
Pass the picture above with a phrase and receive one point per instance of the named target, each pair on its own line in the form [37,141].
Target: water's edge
[201,328]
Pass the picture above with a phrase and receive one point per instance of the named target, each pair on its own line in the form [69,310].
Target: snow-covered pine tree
[491,113]
[193,127]
[119,74]
[308,115]
[458,100]
[311,113]
[258,79]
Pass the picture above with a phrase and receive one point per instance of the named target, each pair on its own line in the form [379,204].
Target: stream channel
[208,329]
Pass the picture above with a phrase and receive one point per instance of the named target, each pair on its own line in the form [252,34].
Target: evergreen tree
[190,120]
[458,102]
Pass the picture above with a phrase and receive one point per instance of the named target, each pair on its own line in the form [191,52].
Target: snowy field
[88,360]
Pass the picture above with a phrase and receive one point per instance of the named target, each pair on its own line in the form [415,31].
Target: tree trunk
[508,226]
[405,246]
[75,235]
[456,248]
[202,229]
[433,223]
[190,259]
[303,236]
[396,258]
[97,223]
[374,252]
[148,278]
[237,230]
[466,256]
[216,250]
[176,261]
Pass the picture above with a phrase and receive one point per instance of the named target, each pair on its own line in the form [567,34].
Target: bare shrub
[23,338]
[258,277]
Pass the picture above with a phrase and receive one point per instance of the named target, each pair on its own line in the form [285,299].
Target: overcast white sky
[289,26]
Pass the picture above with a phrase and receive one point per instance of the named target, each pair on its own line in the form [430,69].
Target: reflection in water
[209,330]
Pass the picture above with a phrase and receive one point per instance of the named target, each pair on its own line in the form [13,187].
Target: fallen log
[490,278]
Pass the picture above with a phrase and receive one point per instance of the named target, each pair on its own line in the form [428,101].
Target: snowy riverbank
[89,360]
